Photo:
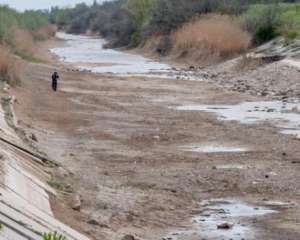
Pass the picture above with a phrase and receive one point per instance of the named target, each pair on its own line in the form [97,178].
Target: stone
[61,172]
[33,137]
[128,237]
[76,202]
[225,226]
[93,221]
[157,138]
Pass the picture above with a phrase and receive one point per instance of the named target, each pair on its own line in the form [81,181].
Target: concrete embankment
[25,211]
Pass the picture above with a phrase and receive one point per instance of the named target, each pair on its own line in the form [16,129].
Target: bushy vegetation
[266,21]
[110,19]
[8,69]
[139,11]
[290,17]
[11,19]
[18,31]
[131,22]
[262,21]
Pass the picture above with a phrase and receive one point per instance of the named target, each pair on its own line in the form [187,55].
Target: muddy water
[88,54]
[213,149]
[236,214]
[284,115]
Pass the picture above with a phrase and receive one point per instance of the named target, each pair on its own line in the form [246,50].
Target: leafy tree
[140,11]
[262,21]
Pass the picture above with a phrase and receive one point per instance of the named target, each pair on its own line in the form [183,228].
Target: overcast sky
[41,4]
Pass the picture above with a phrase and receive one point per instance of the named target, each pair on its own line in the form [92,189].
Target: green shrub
[53,236]
[8,20]
[28,20]
[262,21]
[291,35]
[264,34]
[139,10]
[290,18]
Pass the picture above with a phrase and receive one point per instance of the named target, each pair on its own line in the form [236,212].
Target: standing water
[236,215]
[88,54]
[284,115]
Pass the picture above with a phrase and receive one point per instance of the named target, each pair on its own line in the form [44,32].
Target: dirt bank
[124,146]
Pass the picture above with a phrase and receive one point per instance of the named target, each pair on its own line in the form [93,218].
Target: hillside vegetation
[132,22]
[18,34]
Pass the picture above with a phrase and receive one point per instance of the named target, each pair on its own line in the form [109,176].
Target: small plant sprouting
[53,236]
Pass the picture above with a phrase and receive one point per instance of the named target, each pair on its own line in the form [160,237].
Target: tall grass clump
[17,36]
[8,69]
[22,41]
[45,32]
[211,34]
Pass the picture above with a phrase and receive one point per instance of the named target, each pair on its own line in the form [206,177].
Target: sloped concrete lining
[292,62]
[280,47]
[25,211]
[6,131]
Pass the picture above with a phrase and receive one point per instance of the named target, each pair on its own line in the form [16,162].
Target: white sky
[42,4]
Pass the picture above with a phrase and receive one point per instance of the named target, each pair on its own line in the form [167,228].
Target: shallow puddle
[285,115]
[215,213]
[231,167]
[214,149]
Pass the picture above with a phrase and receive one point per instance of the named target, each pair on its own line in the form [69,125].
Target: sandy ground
[121,141]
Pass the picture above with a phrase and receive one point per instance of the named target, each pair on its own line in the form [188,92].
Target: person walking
[55,78]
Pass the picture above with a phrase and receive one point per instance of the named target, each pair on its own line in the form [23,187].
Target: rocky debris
[93,221]
[225,226]
[33,137]
[69,188]
[76,202]
[62,173]
[128,237]
[156,138]
[97,222]
[274,78]
[272,58]
[6,87]
[284,154]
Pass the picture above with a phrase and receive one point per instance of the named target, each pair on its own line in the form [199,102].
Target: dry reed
[211,34]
